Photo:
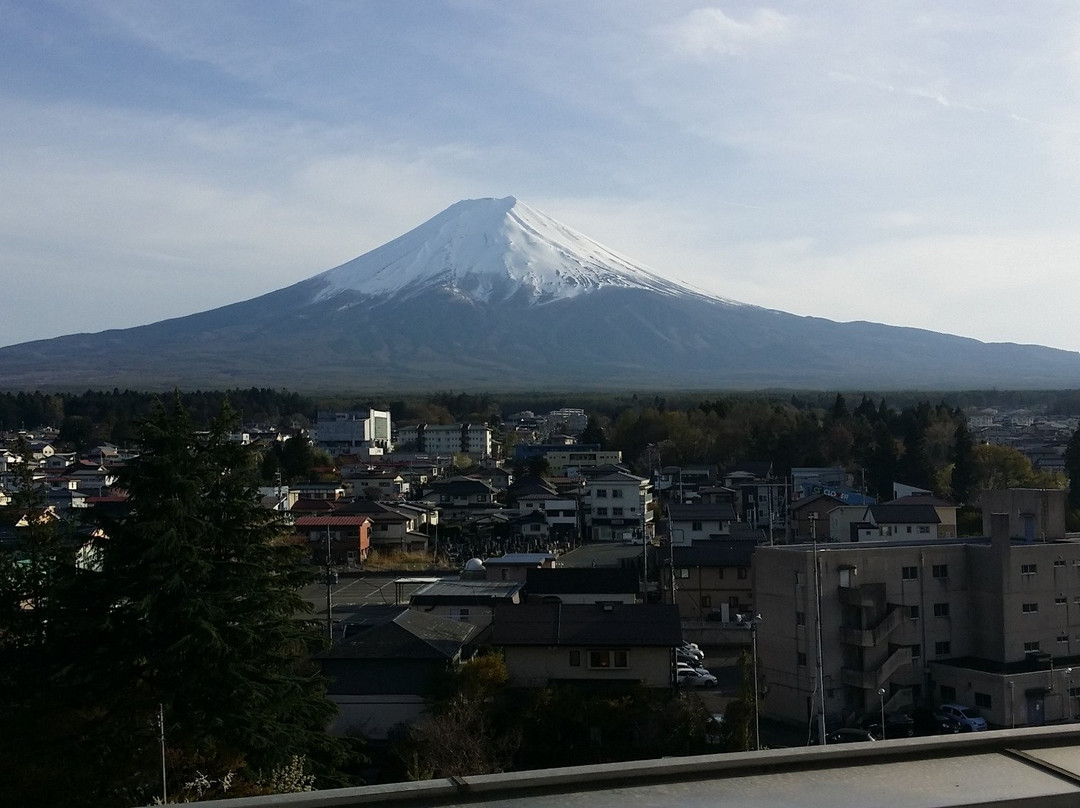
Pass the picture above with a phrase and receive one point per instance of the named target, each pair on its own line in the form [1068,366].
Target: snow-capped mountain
[488,251]
[493,295]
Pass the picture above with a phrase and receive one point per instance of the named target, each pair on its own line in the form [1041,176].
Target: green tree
[193,612]
[965,472]
[1072,469]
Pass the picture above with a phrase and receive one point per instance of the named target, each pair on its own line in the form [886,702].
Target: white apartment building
[447,439]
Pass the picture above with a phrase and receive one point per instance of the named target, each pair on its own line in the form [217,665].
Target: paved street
[363,589]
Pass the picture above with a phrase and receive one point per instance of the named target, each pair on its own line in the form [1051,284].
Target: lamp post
[881,699]
[753,623]
[1068,692]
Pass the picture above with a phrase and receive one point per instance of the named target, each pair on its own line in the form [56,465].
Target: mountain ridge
[490,295]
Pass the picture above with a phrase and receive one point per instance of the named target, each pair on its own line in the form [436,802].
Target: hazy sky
[912,163]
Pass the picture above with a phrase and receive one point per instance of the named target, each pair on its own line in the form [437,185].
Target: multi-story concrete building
[616,507]
[446,439]
[992,622]
[351,432]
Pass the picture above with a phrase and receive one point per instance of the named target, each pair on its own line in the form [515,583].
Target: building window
[941,570]
[744,573]
[601,511]
[1062,637]
[575,659]
[458,613]
[800,618]
[942,648]
[695,526]
[1060,600]
[983,700]
[800,579]
[909,573]
[1029,569]
[913,612]
[601,493]
[683,572]
[948,693]
[916,651]
[608,659]
[616,493]
[924,528]
[1060,562]
[941,610]
[1029,608]
[1031,647]
[800,658]
[706,602]
[616,511]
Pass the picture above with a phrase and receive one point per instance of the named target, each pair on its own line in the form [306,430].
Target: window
[1060,562]
[942,648]
[744,573]
[1029,608]
[601,493]
[695,526]
[800,579]
[941,570]
[948,693]
[916,651]
[683,572]
[913,612]
[924,528]
[601,511]
[706,601]
[800,618]
[608,659]
[941,610]
[1029,569]
[1031,647]
[909,573]
[575,659]
[481,498]
[616,511]
[1060,600]
[1062,637]
[984,700]
[800,659]
[616,493]
[909,528]
[458,613]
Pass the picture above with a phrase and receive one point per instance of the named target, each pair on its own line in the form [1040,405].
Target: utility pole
[329,589]
[817,603]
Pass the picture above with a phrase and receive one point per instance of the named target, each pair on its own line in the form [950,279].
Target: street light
[1068,691]
[881,698]
[752,621]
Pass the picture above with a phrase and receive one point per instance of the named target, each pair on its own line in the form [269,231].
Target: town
[760,604]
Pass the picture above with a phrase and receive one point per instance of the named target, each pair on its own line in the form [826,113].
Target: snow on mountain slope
[487,250]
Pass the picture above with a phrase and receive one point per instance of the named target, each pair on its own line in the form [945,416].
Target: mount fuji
[491,295]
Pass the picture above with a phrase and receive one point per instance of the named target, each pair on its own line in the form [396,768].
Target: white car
[693,678]
[690,649]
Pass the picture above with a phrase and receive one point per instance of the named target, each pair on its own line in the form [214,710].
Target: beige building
[992,623]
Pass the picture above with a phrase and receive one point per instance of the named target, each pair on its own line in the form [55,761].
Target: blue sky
[912,163]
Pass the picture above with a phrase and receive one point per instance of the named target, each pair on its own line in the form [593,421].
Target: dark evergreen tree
[593,433]
[194,612]
[965,472]
[1072,469]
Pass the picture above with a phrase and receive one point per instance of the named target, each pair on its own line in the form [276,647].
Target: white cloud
[709,32]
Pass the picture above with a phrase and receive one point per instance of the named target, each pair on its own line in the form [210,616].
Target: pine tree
[194,613]
[1072,469]
[965,472]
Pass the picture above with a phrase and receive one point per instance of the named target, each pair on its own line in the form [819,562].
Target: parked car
[691,649]
[929,722]
[691,678]
[897,725]
[691,666]
[688,658]
[968,719]
[846,735]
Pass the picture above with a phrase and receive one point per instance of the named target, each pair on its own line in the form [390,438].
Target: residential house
[616,507]
[595,645]
[711,579]
[516,566]
[387,666]
[898,521]
[582,585]
[344,539]
[689,524]
[471,601]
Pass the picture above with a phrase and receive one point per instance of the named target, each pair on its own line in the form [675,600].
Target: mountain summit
[492,295]
[490,251]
